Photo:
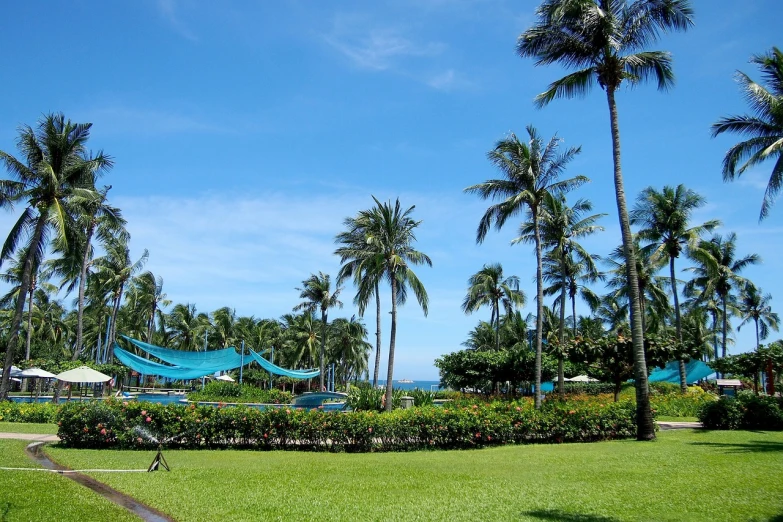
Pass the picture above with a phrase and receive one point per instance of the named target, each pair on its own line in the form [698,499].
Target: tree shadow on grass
[557,515]
[753,446]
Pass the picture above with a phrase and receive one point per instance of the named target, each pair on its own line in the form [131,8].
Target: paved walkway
[30,436]
[673,425]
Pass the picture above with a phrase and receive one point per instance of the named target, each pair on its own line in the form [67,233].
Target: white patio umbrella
[37,372]
[14,371]
[581,378]
[226,378]
[83,374]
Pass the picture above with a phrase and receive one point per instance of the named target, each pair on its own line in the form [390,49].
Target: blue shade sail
[212,360]
[694,371]
[147,367]
[277,370]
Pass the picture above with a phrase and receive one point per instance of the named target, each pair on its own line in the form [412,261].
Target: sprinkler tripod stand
[159,461]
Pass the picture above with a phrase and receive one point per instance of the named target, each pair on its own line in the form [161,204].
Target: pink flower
[519,409]
[139,440]
[149,419]
[103,431]
[124,403]
[475,407]
[369,429]
[143,412]
[266,436]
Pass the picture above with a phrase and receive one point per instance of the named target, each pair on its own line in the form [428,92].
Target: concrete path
[30,436]
[674,425]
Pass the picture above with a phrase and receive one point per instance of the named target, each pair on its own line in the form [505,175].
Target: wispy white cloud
[168,9]
[121,118]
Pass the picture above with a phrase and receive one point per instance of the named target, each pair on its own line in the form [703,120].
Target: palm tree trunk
[539,306]
[496,316]
[322,351]
[16,320]
[725,326]
[377,336]
[678,323]
[29,323]
[82,288]
[113,331]
[714,334]
[560,361]
[645,427]
[392,339]
[573,312]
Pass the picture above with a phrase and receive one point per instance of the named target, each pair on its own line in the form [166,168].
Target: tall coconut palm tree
[318,294]
[561,227]
[391,234]
[487,287]
[754,306]
[531,170]
[56,165]
[665,221]
[114,270]
[604,41]
[186,325]
[717,271]
[147,292]
[613,312]
[348,347]
[764,128]
[356,256]
[301,339]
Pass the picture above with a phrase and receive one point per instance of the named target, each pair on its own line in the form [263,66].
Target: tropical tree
[357,253]
[147,292]
[754,306]
[561,227]
[301,339]
[318,294]
[717,271]
[187,326]
[604,41]
[348,347]
[664,218]
[764,129]
[531,171]
[390,233]
[56,165]
[487,287]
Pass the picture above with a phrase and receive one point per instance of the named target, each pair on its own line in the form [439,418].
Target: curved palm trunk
[16,320]
[560,361]
[113,332]
[322,351]
[678,323]
[151,323]
[573,312]
[393,336]
[758,341]
[377,336]
[539,307]
[82,287]
[496,316]
[29,321]
[714,335]
[645,427]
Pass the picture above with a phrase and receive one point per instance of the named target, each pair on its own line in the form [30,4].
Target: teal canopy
[147,367]
[212,360]
[277,370]
[694,371]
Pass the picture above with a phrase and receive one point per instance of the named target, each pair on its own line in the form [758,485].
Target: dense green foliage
[44,412]
[226,392]
[746,411]
[129,425]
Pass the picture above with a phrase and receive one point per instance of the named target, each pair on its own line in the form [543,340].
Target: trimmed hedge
[114,424]
[40,412]
[747,412]
[220,391]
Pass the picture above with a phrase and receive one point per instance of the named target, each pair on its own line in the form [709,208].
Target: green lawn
[28,427]
[27,496]
[684,475]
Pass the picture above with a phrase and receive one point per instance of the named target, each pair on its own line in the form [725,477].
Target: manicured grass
[28,427]
[668,418]
[34,495]
[684,475]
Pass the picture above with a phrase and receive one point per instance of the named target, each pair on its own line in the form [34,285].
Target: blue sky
[245,132]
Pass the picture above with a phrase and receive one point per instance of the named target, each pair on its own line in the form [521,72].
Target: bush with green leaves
[746,411]
[114,424]
[43,412]
[221,391]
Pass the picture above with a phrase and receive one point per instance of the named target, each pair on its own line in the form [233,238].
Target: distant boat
[405,381]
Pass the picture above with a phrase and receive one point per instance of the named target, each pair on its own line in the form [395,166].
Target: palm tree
[56,166]
[604,39]
[147,292]
[349,347]
[356,256]
[764,129]
[487,287]
[186,326]
[754,306]
[390,233]
[561,226]
[718,271]
[531,171]
[114,270]
[665,220]
[482,337]
[318,294]
[301,339]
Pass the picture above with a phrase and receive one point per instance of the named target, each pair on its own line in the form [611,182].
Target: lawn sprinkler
[159,461]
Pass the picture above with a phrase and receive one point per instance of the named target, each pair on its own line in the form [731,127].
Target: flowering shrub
[681,405]
[44,412]
[114,424]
